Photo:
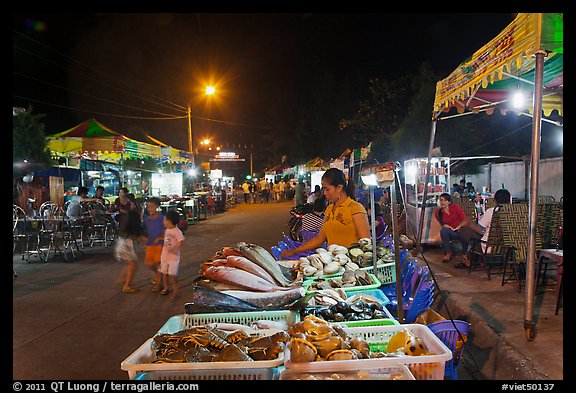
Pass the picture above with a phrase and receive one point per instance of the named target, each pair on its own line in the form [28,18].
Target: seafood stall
[252,317]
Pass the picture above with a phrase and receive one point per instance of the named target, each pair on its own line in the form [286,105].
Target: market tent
[91,139]
[505,65]
[529,52]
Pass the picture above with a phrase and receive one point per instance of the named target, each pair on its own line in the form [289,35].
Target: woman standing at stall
[122,205]
[345,220]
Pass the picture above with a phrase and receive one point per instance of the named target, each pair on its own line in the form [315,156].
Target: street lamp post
[210,90]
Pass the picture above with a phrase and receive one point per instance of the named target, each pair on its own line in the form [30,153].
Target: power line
[98,113]
[95,80]
[497,139]
[96,70]
[232,123]
[88,95]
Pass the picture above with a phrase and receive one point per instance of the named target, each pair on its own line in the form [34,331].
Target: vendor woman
[345,220]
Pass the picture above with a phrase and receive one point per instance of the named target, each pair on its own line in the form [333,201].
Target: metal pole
[529,324]
[190,144]
[396,246]
[373,230]
[425,195]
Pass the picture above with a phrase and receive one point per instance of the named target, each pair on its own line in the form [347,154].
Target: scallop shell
[331,267]
[341,354]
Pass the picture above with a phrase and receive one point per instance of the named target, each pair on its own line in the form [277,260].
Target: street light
[210,90]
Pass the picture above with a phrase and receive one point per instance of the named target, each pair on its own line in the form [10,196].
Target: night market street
[71,321]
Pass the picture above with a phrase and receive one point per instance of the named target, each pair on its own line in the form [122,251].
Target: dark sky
[265,66]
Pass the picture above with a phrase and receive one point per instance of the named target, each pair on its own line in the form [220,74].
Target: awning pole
[529,324]
[425,195]
[396,240]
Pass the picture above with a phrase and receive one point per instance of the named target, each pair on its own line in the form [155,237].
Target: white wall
[512,174]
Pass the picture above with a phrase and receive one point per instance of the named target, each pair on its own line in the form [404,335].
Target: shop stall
[414,186]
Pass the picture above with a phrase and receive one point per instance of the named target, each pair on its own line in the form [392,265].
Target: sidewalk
[497,339]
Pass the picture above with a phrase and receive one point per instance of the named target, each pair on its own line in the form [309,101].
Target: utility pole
[251,168]
[190,145]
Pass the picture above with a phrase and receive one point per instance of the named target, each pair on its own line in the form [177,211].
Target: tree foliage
[29,143]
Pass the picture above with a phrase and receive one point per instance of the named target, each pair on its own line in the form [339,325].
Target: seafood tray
[186,321]
[386,272]
[422,367]
[307,283]
[242,374]
[396,372]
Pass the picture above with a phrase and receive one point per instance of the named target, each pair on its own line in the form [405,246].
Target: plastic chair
[390,289]
[448,334]
[275,251]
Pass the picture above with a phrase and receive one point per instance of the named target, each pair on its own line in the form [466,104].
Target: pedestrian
[122,205]
[282,187]
[345,219]
[263,190]
[170,257]
[451,218]
[315,195]
[253,192]
[130,231]
[246,190]
[154,225]
[276,190]
[299,194]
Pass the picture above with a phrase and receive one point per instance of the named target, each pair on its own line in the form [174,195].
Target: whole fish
[229,251]
[269,300]
[202,281]
[204,300]
[249,266]
[264,259]
[241,278]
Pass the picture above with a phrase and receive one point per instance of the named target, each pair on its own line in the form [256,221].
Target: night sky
[112,67]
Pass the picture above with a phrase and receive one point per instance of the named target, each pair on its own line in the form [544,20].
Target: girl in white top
[170,257]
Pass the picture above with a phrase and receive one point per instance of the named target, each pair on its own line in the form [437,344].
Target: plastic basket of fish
[242,374]
[337,282]
[267,319]
[426,362]
[386,272]
[388,373]
[203,353]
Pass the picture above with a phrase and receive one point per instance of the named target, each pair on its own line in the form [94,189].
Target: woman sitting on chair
[451,218]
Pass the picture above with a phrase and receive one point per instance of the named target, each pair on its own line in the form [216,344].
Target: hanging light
[518,99]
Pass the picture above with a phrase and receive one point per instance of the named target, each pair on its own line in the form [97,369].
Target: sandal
[164,292]
[129,290]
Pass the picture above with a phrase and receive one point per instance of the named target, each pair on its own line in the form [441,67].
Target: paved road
[71,321]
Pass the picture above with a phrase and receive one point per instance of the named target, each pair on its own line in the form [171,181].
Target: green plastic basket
[386,272]
[377,284]
[369,322]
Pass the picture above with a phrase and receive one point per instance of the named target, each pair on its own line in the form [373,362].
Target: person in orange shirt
[345,220]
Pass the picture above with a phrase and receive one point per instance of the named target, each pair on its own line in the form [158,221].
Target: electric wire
[90,95]
[96,70]
[96,112]
[96,80]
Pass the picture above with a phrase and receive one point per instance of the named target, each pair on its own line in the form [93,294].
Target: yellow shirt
[338,224]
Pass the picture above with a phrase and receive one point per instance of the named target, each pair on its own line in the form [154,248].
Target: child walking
[170,258]
[130,231]
[154,225]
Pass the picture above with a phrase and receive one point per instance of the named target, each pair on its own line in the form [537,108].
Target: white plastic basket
[366,373]
[140,360]
[186,321]
[242,374]
[386,272]
[422,367]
